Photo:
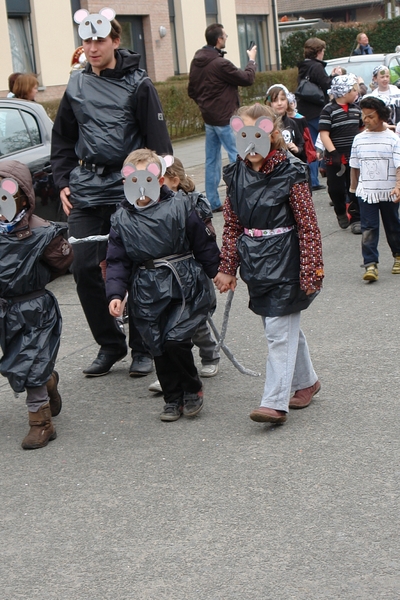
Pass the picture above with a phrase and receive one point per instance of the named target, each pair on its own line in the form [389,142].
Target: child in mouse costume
[32,253]
[162,252]
[271,230]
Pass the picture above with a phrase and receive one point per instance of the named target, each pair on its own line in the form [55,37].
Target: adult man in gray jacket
[213,85]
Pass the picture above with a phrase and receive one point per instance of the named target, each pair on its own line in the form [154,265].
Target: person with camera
[213,85]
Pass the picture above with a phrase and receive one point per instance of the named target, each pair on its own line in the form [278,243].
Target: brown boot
[42,430]
[55,398]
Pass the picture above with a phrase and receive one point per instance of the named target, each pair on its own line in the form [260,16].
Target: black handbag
[310,92]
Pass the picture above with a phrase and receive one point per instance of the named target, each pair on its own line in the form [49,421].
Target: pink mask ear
[108,13]
[128,170]
[10,186]
[80,15]
[237,124]
[169,160]
[265,124]
[153,168]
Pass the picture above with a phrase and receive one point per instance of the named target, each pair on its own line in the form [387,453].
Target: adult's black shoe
[315,188]
[218,209]
[141,365]
[103,363]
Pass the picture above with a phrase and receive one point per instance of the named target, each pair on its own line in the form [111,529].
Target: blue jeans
[369,214]
[313,127]
[215,138]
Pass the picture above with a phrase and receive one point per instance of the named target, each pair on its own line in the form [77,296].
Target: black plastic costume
[30,320]
[101,119]
[269,265]
[170,298]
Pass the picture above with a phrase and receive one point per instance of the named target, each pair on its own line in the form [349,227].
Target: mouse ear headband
[94,26]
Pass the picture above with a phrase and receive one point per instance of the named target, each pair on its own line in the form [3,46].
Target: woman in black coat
[313,67]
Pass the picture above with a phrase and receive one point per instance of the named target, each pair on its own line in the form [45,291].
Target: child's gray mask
[8,206]
[252,139]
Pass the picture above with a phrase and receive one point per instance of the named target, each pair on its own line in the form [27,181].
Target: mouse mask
[139,184]
[94,26]
[252,139]
[8,205]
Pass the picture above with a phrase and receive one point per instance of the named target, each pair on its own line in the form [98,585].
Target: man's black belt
[30,296]
[99,169]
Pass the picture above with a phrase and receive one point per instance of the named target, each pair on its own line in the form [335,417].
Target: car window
[18,130]
[361,69]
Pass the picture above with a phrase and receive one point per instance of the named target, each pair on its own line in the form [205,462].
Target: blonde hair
[24,84]
[186,183]
[142,155]
[259,110]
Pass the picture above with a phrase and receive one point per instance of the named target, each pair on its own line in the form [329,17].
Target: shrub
[182,115]
[384,35]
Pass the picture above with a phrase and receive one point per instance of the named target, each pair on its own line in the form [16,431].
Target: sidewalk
[192,154]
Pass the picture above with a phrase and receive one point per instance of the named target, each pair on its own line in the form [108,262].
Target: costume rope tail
[221,336]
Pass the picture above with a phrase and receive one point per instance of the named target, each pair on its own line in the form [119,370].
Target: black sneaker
[171,412]
[192,403]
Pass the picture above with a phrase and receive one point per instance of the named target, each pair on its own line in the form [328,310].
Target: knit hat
[342,84]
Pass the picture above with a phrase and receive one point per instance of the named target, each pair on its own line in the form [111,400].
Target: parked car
[25,135]
[363,65]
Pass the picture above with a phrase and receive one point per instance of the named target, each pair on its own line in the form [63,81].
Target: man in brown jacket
[213,85]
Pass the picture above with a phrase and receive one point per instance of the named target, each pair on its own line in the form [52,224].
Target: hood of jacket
[206,55]
[126,61]
[22,175]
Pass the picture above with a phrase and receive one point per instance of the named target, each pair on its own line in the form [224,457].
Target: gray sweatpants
[36,397]
[289,366]
[206,344]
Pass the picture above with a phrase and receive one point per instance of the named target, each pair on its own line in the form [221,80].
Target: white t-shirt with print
[377,155]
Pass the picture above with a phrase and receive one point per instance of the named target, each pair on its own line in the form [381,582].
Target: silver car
[363,65]
[25,135]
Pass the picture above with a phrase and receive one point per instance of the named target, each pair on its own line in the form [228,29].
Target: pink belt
[267,232]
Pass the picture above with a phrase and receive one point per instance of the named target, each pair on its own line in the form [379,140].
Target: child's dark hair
[258,110]
[186,183]
[382,110]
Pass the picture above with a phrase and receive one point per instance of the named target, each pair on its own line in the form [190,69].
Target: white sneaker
[155,387]
[209,370]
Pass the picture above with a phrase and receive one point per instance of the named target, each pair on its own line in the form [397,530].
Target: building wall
[191,24]
[155,14]
[53,35]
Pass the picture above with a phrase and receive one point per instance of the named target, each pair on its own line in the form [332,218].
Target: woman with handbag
[312,68]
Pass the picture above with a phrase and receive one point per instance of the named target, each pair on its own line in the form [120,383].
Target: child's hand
[395,193]
[225,282]
[115,307]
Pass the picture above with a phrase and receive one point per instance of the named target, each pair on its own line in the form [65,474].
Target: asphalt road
[122,506]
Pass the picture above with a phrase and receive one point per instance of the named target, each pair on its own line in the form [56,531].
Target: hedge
[383,35]
[182,114]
